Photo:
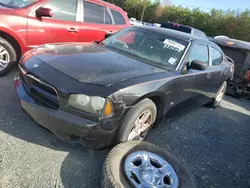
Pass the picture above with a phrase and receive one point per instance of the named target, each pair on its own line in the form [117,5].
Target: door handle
[72,30]
[209,75]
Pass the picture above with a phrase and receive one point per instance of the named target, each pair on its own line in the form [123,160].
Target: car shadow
[83,169]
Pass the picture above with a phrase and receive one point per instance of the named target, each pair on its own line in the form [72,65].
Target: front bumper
[71,128]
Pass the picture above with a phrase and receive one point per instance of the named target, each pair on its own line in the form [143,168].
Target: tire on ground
[113,175]
[130,118]
[13,55]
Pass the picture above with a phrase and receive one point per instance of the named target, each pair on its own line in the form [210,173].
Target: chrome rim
[146,169]
[141,126]
[221,93]
[4,58]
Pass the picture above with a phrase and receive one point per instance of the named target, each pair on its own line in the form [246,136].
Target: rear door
[97,20]
[61,27]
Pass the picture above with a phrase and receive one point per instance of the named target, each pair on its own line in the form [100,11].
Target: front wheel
[8,56]
[137,122]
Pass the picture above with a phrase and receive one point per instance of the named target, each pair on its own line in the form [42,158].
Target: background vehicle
[115,90]
[126,161]
[28,24]
[135,22]
[184,28]
[239,52]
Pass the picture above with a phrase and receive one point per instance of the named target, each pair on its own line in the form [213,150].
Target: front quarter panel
[169,86]
[15,26]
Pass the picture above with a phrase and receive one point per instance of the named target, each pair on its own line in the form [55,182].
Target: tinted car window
[176,27]
[159,50]
[119,20]
[93,13]
[63,9]
[217,57]
[199,52]
[107,17]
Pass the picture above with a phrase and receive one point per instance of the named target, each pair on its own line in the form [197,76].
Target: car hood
[90,63]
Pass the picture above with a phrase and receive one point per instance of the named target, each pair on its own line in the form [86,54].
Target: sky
[207,5]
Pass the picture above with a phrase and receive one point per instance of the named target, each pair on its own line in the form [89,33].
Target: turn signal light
[108,110]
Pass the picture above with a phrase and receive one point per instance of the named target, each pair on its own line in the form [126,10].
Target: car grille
[40,90]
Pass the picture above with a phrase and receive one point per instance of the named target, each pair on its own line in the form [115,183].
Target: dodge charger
[115,90]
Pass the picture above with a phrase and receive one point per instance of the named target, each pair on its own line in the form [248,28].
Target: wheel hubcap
[141,126]
[4,58]
[146,169]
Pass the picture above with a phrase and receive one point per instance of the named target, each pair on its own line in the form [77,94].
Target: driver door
[199,87]
[61,27]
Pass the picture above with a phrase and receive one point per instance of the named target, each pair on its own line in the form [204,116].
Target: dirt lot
[215,144]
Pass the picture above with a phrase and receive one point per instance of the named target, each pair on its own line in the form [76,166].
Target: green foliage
[230,23]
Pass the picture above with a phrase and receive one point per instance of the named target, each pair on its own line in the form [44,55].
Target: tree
[235,24]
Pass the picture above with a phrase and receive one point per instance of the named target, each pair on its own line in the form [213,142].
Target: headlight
[93,105]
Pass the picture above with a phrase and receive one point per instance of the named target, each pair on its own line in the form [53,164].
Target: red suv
[25,24]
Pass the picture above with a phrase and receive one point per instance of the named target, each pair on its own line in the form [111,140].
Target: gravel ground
[214,144]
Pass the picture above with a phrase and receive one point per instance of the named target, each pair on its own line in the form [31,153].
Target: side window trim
[79,11]
[185,56]
[111,15]
[107,10]
[210,56]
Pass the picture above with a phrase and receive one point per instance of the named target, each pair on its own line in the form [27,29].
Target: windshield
[17,3]
[151,47]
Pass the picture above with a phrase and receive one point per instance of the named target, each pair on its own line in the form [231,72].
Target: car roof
[233,43]
[178,34]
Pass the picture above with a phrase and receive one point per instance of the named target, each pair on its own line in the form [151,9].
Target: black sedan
[115,90]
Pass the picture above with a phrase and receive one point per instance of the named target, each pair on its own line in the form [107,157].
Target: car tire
[115,170]
[128,124]
[10,56]
[219,95]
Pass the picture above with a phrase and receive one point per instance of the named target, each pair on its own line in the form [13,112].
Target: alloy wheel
[220,94]
[4,58]
[141,126]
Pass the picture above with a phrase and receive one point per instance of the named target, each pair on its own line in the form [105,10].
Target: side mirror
[198,65]
[44,12]
[108,35]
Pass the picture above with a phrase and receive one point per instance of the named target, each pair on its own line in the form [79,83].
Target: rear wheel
[8,56]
